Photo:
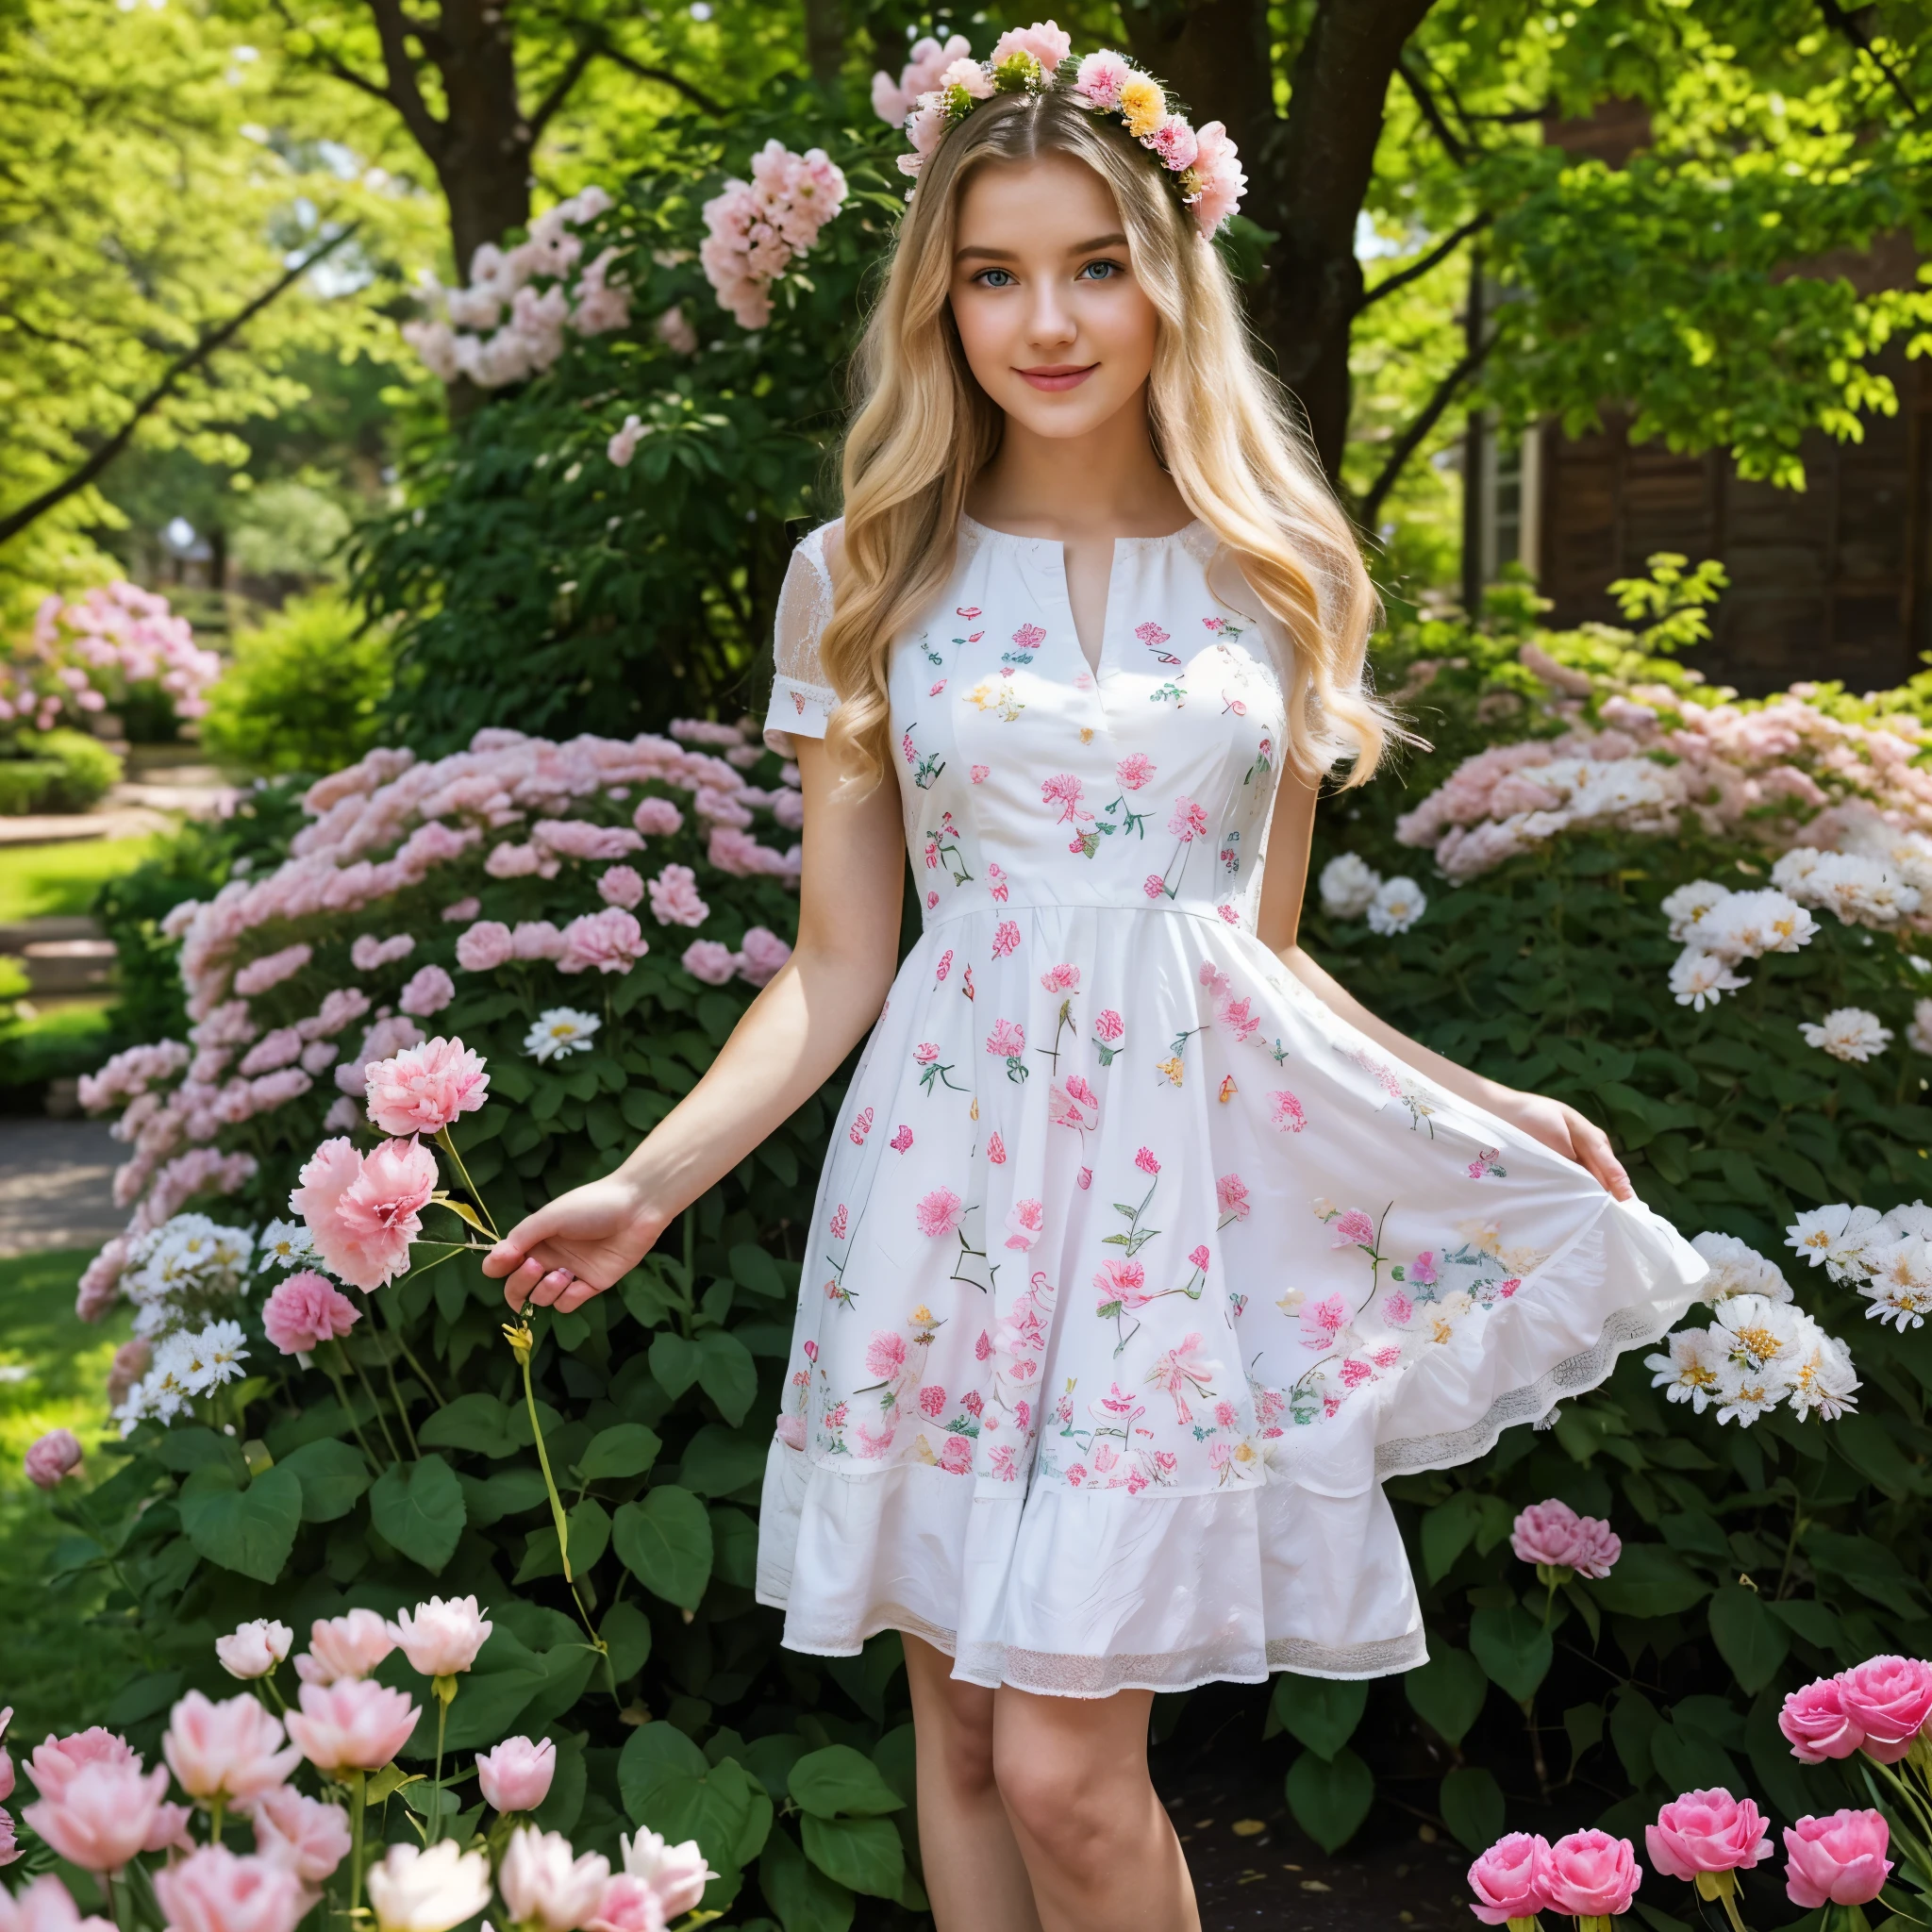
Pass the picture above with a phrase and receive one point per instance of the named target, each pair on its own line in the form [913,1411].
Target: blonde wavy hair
[922,428]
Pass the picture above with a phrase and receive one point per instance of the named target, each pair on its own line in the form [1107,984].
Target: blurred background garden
[378,373]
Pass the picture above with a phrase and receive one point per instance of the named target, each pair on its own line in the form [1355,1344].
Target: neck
[1106,479]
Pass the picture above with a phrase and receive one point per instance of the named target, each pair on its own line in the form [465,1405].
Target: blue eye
[981,277]
[1108,270]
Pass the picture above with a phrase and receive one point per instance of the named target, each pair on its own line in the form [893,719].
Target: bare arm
[790,1040]
[1284,883]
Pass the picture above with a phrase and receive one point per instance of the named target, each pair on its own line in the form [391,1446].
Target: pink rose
[1837,1860]
[621,886]
[52,1458]
[214,1890]
[1548,1533]
[232,1750]
[428,991]
[1706,1831]
[1047,43]
[1889,1698]
[353,1725]
[424,1089]
[485,946]
[710,962]
[1508,1879]
[516,1776]
[1592,1875]
[610,941]
[362,1214]
[1816,1725]
[306,1310]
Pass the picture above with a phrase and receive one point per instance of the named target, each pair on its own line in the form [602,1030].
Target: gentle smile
[1060,376]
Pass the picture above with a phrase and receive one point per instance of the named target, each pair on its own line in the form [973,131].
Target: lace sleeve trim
[802,699]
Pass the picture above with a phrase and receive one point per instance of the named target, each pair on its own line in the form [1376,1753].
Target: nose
[1050,321]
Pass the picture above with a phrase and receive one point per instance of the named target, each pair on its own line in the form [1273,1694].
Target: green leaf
[1321,1712]
[488,1500]
[476,1421]
[1752,1640]
[588,1523]
[185,1449]
[1687,1759]
[719,1461]
[1447,1693]
[665,1543]
[657,1762]
[1513,1648]
[146,1697]
[735,1540]
[1648,1581]
[840,1781]
[248,1530]
[1634,1721]
[864,1853]
[625,1449]
[669,1788]
[754,1271]
[1330,1799]
[418,1506]
[727,1374]
[334,1477]
[805,1899]
[673,1361]
[628,1631]
[1471,1801]
[1447,1531]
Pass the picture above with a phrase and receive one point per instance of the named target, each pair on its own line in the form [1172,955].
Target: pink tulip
[302,1834]
[169,1832]
[45,1906]
[214,1890]
[361,1214]
[55,1762]
[1837,1860]
[306,1310]
[516,1776]
[232,1750]
[103,1814]
[10,1851]
[442,1637]
[52,1458]
[5,1757]
[1508,1879]
[351,1725]
[350,1645]
[1592,1875]
[253,1649]
[629,1904]
[1890,1699]
[423,1090]
[677,1874]
[542,1879]
[1706,1831]
[1816,1725]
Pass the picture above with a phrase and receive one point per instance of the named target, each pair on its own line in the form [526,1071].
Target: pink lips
[1060,376]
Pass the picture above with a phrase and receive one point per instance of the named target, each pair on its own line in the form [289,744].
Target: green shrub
[56,771]
[304,693]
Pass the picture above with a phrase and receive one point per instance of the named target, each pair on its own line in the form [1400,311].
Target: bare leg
[1096,1840]
[974,1872]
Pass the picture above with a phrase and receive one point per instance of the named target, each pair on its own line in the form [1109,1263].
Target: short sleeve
[802,698]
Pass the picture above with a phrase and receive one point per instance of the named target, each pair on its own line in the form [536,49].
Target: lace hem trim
[797,709]
[1050,1673]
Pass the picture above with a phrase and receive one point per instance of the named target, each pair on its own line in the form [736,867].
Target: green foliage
[62,879]
[54,771]
[304,693]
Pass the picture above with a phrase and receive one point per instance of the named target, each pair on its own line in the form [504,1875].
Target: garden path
[57,1185]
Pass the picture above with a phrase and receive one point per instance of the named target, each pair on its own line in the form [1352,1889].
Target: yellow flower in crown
[1143,107]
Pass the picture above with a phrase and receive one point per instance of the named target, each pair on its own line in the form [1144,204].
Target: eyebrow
[1115,240]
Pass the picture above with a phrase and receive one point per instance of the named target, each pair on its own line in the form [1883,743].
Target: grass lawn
[58,1667]
[45,881]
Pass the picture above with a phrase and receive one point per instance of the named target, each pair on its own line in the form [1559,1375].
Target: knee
[956,1746]
[1062,1801]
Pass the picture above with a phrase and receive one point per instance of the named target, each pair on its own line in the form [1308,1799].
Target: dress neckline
[984,530]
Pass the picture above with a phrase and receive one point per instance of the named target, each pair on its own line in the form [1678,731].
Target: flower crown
[1202,164]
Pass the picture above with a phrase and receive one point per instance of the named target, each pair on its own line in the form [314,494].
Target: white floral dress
[1133,1270]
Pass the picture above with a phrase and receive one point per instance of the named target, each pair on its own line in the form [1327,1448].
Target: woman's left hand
[1575,1138]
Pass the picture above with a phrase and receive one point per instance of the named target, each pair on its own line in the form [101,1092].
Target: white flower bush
[1353,888]
[1885,1257]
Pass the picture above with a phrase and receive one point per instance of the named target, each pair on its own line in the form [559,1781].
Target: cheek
[1123,329]
[983,330]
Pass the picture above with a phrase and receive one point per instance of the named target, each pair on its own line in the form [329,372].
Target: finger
[1596,1154]
[551,1285]
[513,1250]
[574,1297]
[516,1291]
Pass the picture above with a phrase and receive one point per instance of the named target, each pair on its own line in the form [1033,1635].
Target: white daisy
[1919,1034]
[1898,1281]
[1833,1237]
[1744,1394]
[561,1030]
[1824,1383]
[1689,906]
[1749,924]
[1397,907]
[1688,1373]
[1756,1331]
[1736,1267]
[1700,979]
[1348,886]
[285,1244]
[1847,1033]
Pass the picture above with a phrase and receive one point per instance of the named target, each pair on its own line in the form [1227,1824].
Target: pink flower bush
[52,1458]
[87,654]
[756,229]
[1837,1860]
[303,1309]
[363,1211]
[424,1089]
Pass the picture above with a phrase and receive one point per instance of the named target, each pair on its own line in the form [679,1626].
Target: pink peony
[1816,1725]
[657,817]
[1547,1533]
[460,911]
[304,1309]
[708,961]
[350,1645]
[1890,1699]
[253,1649]
[1508,1879]
[610,941]
[215,1890]
[1598,1545]
[1837,1860]
[102,1813]
[272,969]
[52,1458]
[536,939]
[353,1725]
[1592,1875]
[1099,79]
[362,1214]
[674,899]
[44,1904]
[370,954]
[424,1089]
[1706,1831]
[441,1637]
[516,1776]
[622,885]
[1047,43]
[485,946]
[543,1881]
[232,1750]
[301,1833]
[428,991]
[762,954]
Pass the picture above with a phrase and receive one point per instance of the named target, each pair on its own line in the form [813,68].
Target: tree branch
[1453,144]
[663,75]
[14,522]
[404,95]
[1369,510]
[1853,29]
[1417,269]
[334,63]
[560,89]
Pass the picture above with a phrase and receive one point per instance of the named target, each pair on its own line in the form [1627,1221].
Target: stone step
[62,956]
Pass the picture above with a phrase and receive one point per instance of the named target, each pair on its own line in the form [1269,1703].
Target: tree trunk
[483,160]
[824,41]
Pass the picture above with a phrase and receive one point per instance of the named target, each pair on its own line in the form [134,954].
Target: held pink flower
[677,1874]
[1890,1699]
[1837,1860]
[52,1458]
[543,1881]
[1508,1879]
[350,1645]
[1706,1831]
[351,1725]
[103,1814]
[300,1833]
[441,1637]
[1593,1875]
[1816,1724]
[304,1309]
[215,1890]
[425,1089]
[232,1750]
[363,1214]
[516,1776]
[44,1905]
[252,1649]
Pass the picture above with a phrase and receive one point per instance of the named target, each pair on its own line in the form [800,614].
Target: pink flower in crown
[1199,1257]
[1005,938]
[1134,770]
[1188,820]
[997,1151]
[1029,636]
[938,1213]
[1098,81]
[1176,144]
[885,1354]
[1231,1196]
[1060,978]
[1352,1229]
[1046,43]
[1287,1113]
[902,1140]
[1007,1040]
[979,773]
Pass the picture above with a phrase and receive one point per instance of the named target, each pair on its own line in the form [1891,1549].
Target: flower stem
[358,1804]
[335,1375]
[445,1688]
[522,1341]
[388,1369]
[395,1329]
[215,1808]
[375,1404]
[449,1147]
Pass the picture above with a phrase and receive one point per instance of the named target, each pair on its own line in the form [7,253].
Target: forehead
[1053,200]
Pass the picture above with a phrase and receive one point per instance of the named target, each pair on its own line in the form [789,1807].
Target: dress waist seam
[1006,908]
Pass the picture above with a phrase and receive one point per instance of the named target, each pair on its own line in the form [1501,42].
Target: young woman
[1141,1253]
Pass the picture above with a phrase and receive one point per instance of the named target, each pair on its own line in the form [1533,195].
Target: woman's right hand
[574,1247]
